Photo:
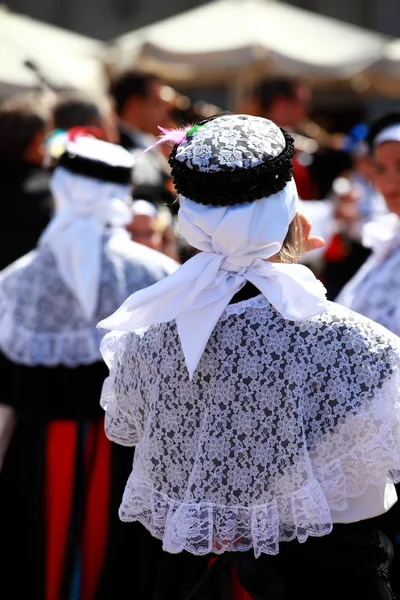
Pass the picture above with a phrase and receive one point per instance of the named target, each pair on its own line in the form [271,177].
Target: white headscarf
[84,209]
[388,134]
[235,243]
[144,208]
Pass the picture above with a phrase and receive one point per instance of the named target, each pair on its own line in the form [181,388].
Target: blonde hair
[293,245]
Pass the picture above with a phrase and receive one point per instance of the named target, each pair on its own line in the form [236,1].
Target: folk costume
[265,419]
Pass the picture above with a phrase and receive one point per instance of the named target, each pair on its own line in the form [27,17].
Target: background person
[56,500]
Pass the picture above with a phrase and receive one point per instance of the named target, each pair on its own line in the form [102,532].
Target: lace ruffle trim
[201,528]
[31,348]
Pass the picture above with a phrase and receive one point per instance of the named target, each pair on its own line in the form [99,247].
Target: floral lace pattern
[231,142]
[281,424]
[377,293]
[41,322]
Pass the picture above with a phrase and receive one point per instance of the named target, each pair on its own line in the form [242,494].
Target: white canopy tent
[65,59]
[384,75]
[223,37]
[390,63]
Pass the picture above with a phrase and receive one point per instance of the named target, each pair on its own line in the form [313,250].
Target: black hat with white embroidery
[232,159]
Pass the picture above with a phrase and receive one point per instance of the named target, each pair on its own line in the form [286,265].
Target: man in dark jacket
[142,105]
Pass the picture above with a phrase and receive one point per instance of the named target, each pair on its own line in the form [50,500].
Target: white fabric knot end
[233,266]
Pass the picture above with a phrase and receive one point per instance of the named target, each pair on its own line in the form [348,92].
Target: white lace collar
[42,321]
[283,424]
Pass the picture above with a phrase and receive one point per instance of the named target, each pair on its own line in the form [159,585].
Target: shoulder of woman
[361,329]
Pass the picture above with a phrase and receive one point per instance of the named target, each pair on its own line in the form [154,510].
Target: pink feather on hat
[171,136]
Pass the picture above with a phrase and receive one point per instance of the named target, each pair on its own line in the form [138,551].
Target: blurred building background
[380,15]
[105,19]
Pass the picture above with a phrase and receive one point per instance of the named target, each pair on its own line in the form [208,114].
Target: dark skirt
[60,489]
[350,563]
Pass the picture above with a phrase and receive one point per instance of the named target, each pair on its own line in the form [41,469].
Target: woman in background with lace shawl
[374,291]
[266,419]
[56,477]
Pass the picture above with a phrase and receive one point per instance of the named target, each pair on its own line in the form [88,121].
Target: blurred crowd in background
[332,169]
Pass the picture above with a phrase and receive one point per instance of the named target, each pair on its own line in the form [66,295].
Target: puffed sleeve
[121,396]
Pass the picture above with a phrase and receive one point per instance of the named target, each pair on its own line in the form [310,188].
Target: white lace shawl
[41,320]
[375,290]
[282,423]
